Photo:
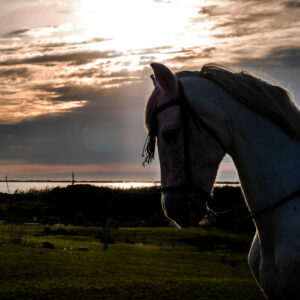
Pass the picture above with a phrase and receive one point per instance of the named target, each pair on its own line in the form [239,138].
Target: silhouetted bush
[86,205]
[48,245]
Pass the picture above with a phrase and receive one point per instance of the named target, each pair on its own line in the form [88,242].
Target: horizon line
[96,181]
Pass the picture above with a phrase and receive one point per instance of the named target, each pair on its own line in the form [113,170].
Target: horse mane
[272,101]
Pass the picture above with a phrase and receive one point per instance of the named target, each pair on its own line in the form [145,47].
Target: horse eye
[170,133]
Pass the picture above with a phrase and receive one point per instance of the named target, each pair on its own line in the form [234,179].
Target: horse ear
[153,80]
[165,79]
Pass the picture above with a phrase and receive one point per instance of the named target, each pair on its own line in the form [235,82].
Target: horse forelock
[150,108]
[150,124]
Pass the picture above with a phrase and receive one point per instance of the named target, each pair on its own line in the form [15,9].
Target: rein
[188,186]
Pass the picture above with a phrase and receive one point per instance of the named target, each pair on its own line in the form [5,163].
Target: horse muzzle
[185,208]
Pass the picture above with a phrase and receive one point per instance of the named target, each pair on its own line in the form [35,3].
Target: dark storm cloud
[75,58]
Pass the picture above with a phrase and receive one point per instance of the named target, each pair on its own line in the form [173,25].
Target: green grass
[142,263]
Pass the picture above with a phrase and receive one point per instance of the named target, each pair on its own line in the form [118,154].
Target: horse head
[189,156]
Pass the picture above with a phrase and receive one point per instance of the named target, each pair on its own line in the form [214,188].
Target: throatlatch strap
[276,204]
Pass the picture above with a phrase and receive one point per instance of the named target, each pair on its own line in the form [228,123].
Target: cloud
[162,1]
[70,92]
[109,128]
[108,78]
[91,92]
[68,100]
[20,109]
[75,58]
[230,19]
[278,57]
[66,44]
[245,24]
[292,4]
[191,55]
[15,72]
[153,50]
[16,33]
[9,50]
[99,73]
[213,10]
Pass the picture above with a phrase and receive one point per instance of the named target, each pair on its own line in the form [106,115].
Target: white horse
[258,125]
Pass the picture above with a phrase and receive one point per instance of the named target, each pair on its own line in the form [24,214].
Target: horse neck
[266,158]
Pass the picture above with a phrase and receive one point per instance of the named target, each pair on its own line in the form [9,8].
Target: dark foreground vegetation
[51,262]
[87,205]
[145,259]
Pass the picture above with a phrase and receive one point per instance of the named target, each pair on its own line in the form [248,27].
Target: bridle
[188,186]
[193,191]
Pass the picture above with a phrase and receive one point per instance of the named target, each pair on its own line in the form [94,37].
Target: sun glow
[136,24]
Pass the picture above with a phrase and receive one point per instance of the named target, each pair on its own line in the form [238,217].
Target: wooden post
[7,187]
[106,234]
[73,178]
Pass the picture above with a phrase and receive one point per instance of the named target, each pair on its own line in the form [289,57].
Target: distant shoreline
[101,181]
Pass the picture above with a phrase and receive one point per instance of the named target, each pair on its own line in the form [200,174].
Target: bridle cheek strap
[149,146]
[187,186]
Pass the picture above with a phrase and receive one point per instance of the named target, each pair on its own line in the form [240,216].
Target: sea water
[11,187]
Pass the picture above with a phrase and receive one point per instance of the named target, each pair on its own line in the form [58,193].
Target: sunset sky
[74,74]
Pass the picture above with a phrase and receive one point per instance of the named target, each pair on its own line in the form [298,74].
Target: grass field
[140,263]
